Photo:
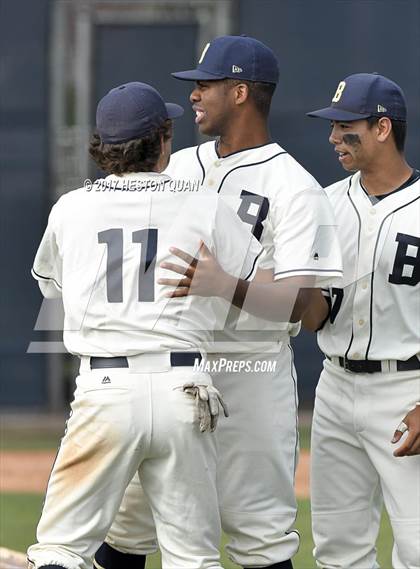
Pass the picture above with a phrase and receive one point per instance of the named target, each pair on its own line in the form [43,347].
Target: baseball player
[368,395]
[283,206]
[139,407]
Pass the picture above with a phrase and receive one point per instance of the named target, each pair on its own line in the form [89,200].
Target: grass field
[19,513]
[13,439]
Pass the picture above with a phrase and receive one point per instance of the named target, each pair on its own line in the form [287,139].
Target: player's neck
[388,177]
[242,136]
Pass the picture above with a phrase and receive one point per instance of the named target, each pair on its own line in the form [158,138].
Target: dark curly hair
[137,155]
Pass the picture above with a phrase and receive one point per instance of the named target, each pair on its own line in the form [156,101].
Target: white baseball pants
[354,470]
[257,457]
[128,423]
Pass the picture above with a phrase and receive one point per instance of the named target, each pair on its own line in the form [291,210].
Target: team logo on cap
[381,109]
[206,47]
[236,69]
[339,92]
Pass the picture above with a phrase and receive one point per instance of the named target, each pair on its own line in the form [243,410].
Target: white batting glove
[207,399]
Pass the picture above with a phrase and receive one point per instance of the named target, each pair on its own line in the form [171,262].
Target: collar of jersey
[216,144]
[415,177]
[392,201]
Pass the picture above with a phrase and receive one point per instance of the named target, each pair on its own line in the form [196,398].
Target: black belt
[177,359]
[372,366]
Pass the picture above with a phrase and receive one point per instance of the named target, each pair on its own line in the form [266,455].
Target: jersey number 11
[113,238]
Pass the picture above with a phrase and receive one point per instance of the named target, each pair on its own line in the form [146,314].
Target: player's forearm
[281,301]
[316,311]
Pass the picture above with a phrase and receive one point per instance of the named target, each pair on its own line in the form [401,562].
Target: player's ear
[164,140]
[241,93]
[384,128]
[162,144]
[165,148]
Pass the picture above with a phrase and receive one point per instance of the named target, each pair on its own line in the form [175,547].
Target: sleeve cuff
[303,272]
[40,277]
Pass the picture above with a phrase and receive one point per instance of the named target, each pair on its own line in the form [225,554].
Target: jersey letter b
[339,92]
[405,262]
[206,47]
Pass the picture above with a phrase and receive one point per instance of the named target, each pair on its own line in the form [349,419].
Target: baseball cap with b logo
[234,57]
[132,110]
[365,95]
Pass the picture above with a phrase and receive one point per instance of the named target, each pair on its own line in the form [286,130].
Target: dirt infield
[28,471]
[302,475]
[25,471]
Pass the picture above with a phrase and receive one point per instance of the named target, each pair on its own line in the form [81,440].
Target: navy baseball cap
[365,95]
[234,57]
[132,110]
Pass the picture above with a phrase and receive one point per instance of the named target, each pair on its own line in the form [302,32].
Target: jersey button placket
[372,220]
[361,303]
[360,323]
[214,175]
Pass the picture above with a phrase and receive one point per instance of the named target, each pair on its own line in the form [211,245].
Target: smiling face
[358,143]
[213,103]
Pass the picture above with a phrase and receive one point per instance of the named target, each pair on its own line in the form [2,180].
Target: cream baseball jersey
[375,314]
[283,206]
[103,249]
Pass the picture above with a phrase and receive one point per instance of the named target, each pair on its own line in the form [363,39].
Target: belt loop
[84,364]
[392,366]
